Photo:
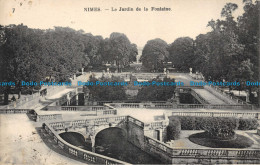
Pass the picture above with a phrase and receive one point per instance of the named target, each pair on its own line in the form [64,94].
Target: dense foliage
[248,124]
[229,51]
[221,128]
[156,93]
[32,54]
[154,54]
[197,123]
[105,93]
[173,129]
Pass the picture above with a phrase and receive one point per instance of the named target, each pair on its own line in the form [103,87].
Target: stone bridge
[210,95]
[133,128]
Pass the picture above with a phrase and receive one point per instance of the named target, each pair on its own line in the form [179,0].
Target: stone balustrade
[79,153]
[165,105]
[227,153]
[224,95]
[135,121]
[78,108]
[40,118]
[219,114]
[157,124]
[198,97]
[7,111]
[28,100]
[212,106]
[157,148]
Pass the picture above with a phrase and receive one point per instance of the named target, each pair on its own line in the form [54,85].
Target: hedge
[197,123]
[248,124]
[174,129]
[222,128]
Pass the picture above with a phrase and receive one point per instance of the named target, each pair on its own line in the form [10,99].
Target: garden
[212,132]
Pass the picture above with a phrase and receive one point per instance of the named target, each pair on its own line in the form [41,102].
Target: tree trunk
[19,93]
[6,94]
[6,98]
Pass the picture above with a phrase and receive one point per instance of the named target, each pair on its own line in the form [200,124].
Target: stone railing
[198,97]
[14,111]
[156,124]
[165,105]
[82,123]
[167,152]
[29,100]
[219,114]
[162,106]
[100,121]
[106,112]
[212,106]
[40,118]
[135,121]
[223,95]
[78,108]
[46,117]
[228,153]
[79,153]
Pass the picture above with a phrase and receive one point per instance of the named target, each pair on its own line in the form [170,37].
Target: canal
[112,142]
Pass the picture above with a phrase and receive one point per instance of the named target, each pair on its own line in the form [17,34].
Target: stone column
[177,97]
[68,100]
[77,97]
[161,134]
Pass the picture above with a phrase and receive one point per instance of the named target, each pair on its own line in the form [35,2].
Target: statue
[190,71]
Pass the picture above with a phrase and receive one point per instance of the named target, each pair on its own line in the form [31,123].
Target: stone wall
[135,132]
[163,151]
[7,111]
[200,156]
[79,153]
[246,115]
[165,105]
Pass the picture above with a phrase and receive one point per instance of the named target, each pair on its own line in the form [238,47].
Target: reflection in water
[76,139]
[112,142]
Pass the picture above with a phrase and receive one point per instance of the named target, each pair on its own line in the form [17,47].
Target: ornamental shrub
[197,123]
[248,124]
[187,122]
[173,129]
[222,128]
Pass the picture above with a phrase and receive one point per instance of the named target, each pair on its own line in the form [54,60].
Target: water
[112,142]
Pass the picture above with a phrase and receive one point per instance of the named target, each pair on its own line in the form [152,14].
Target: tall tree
[154,54]
[182,53]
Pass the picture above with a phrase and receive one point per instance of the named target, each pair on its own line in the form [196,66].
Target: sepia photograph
[129,82]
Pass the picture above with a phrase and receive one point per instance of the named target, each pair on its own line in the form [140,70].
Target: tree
[173,129]
[182,53]
[104,93]
[156,93]
[19,60]
[154,54]
[120,50]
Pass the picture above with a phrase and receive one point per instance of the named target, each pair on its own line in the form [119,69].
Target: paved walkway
[209,97]
[20,144]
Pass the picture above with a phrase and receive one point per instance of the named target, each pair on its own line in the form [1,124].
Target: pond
[112,142]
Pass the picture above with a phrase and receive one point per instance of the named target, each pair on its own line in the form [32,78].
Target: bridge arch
[75,138]
[109,137]
[105,128]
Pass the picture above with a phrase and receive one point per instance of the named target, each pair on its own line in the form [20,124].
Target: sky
[186,18]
